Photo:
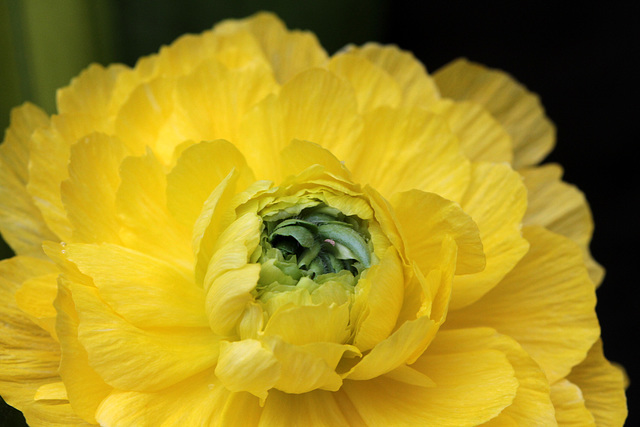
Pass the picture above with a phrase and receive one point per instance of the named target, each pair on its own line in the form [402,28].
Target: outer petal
[496,200]
[146,291]
[289,52]
[602,386]
[481,137]
[141,204]
[374,87]
[570,406]
[299,155]
[471,387]
[211,101]
[199,170]
[197,401]
[50,149]
[21,223]
[407,148]
[549,288]
[316,408]
[561,208]
[518,110]
[88,197]
[150,360]
[142,120]
[314,106]
[36,296]
[85,388]
[417,87]
[532,405]
[91,92]
[30,357]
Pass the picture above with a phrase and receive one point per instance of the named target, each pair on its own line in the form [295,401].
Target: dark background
[577,59]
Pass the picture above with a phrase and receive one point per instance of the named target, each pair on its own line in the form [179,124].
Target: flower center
[319,243]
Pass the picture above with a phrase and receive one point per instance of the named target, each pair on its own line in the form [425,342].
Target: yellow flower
[241,230]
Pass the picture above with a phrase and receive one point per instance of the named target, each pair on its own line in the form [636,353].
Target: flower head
[241,230]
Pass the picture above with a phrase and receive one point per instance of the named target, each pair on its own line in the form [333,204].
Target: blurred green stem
[45,43]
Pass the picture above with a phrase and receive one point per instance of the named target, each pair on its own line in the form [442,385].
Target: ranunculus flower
[241,230]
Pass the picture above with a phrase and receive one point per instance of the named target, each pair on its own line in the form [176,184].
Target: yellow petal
[199,170]
[51,391]
[407,148]
[236,92]
[247,366]
[301,325]
[36,296]
[85,388]
[197,401]
[437,286]
[50,149]
[316,408]
[299,155]
[229,278]
[228,296]
[549,288]
[140,121]
[289,52]
[374,87]
[151,360]
[146,291]
[471,388]
[91,92]
[393,351]
[25,120]
[147,225]
[570,406]
[88,197]
[417,87]
[602,385]
[218,212]
[425,218]
[378,301]
[561,208]
[21,223]
[406,374]
[496,200]
[302,371]
[517,109]
[532,404]
[314,106]
[30,356]
[481,137]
